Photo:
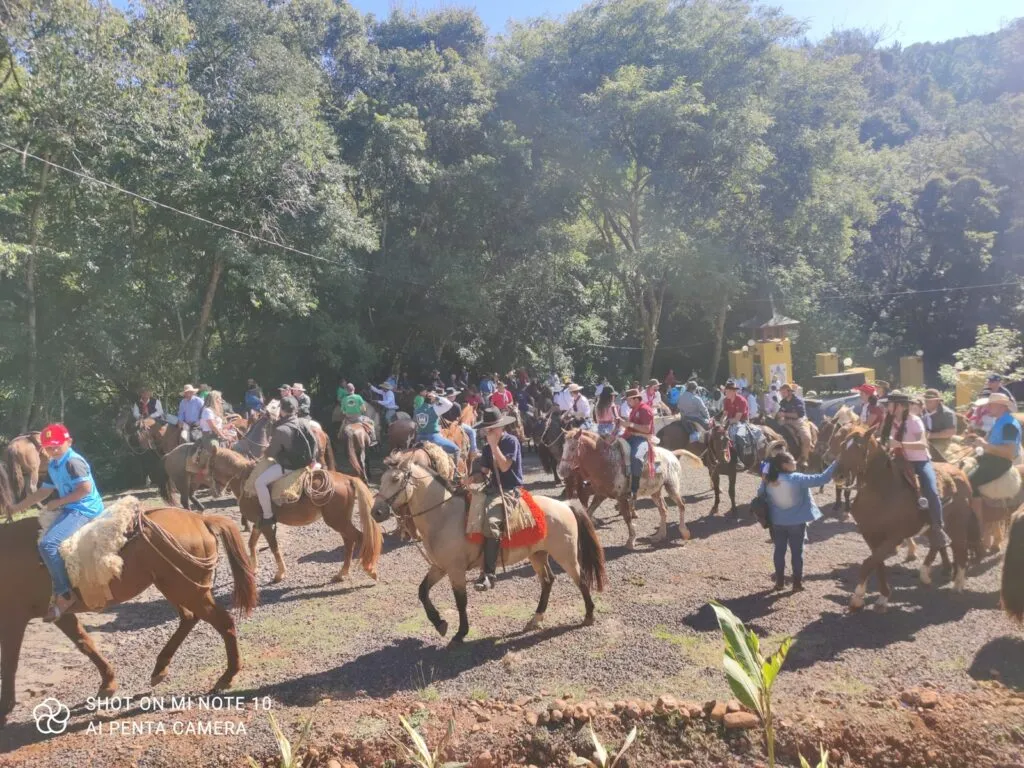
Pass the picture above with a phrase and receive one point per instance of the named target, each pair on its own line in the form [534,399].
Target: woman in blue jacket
[791,508]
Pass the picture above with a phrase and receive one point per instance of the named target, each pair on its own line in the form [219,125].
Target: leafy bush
[996,349]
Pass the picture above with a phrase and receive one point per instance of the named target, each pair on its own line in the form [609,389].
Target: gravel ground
[363,645]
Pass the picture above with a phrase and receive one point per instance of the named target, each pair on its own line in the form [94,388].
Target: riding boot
[486,580]
[780,583]
[798,585]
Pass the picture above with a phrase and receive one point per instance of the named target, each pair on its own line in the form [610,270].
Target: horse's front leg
[713,473]
[271,534]
[877,557]
[458,582]
[732,491]
[433,576]
[839,501]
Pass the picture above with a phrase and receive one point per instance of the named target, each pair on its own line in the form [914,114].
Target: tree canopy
[317,193]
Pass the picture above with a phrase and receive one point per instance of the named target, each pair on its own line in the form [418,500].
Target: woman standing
[790,508]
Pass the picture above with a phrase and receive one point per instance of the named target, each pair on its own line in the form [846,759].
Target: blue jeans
[67,522]
[471,436]
[438,439]
[791,536]
[636,466]
[925,472]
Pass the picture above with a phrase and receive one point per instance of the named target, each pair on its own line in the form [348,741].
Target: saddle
[92,553]
[526,524]
[287,490]
[354,425]
[902,468]
[1004,487]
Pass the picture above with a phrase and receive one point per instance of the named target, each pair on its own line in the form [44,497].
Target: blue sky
[909,21]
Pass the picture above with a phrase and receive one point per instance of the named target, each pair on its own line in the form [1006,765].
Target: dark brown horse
[1013,569]
[549,437]
[401,434]
[357,441]
[26,464]
[176,551]
[886,509]
[821,456]
[721,458]
[335,504]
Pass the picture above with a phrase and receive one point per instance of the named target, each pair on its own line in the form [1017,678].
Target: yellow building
[912,371]
[826,363]
[741,364]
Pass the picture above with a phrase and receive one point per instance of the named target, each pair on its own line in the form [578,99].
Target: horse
[175,551]
[357,440]
[886,511]
[1012,588]
[401,434]
[822,451]
[440,519]
[721,458]
[26,464]
[549,438]
[788,433]
[254,442]
[596,462]
[335,504]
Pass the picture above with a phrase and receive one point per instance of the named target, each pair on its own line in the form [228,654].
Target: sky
[908,21]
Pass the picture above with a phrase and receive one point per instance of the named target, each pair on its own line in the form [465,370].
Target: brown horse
[549,438]
[357,440]
[1013,569]
[26,464]
[886,509]
[335,505]
[721,458]
[821,453]
[176,552]
[401,434]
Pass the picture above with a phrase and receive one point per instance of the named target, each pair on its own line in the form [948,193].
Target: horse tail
[693,458]
[164,482]
[1013,570]
[353,457]
[329,453]
[246,595]
[589,552]
[373,541]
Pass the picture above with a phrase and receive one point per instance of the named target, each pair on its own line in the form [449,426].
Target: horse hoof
[109,689]
[588,621]
[224,682]
[533,624]
[278,578]
[926,575]
[373,575]
[856,603]
[154,681]
[685,533]
[338,578]
[882,606]
[911,557]
[442,627]
[456,641]
[714,511]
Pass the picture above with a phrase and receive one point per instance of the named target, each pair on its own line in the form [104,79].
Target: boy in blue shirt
[78,501]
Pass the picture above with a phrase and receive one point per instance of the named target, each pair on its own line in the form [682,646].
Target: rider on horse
[77,499]
[352,411]
[652,397]
[578,412]
[793,414]
[693,410]
[211,421]
[190,409]
[387,400]
[454,416]
[299,393]
[428,422]
[639,431]
[999,451]
[869,412]
[292,446]
[147,406]
[253,400]
[501,465]
[737,415]
[501,398]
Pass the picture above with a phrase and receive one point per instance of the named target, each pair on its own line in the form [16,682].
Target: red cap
[54,435]
[867,389]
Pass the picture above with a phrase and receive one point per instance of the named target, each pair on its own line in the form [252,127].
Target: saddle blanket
[92,553]
[287,490]
[1006,486]
[526,522]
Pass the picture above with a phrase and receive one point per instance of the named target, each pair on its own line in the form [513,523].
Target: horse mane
[235,461]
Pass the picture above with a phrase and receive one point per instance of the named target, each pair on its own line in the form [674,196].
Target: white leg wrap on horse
[857,600]
[882,605]
[926,574]
[960,580]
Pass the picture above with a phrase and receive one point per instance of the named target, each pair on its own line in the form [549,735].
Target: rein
[149,529]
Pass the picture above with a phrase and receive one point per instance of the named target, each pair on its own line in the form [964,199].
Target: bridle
[407,477]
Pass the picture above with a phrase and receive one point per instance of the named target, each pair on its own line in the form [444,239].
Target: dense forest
[319,193]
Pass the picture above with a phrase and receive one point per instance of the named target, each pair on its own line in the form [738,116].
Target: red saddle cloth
[526,537]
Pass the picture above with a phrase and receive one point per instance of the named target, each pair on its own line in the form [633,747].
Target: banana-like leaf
[579,762]
[283,745]
[822,763]
[423,751]
[625,745]
[771,667]
[740,645]
[599,751]
[742,685]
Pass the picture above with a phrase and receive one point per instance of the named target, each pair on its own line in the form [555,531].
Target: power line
[157,203]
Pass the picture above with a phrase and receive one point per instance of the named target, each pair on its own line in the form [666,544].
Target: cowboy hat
[996,398]
[631,393]
[730,385]
[492,419]
[285,386]
[386,385]
[897,397]
[188,388]
[932,394]
[880,384]
[994,377]
[299,387]
[574,387]
[653,383]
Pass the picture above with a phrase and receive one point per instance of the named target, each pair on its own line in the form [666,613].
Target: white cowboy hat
[574,388]
[187,389]
[298,387]
[996,398]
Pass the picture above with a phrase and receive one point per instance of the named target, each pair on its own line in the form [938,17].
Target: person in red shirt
[502,398]
[735,407]
[639,430]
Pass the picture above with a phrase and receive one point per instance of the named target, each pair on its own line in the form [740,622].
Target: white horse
[415,493]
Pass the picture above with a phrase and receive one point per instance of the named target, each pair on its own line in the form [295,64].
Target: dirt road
[368,649]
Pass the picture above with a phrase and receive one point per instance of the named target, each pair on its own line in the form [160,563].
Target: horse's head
[395,485]
[852,445]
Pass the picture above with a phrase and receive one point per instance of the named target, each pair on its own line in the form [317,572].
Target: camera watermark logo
[51,716]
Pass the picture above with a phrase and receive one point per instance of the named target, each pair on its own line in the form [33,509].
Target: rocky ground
[935,681]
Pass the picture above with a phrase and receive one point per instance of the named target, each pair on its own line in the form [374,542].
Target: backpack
[304,444]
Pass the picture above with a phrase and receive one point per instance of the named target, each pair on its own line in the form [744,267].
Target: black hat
[492,418]
[896,397]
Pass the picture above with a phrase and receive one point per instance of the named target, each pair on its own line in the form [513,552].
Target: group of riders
[911,428]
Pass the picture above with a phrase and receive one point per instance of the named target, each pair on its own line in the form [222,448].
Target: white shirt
[654,401]
[158,411]
[441,405]
[581,407]
[387,399]
[208,420]
[563,399]
[771,404]
[752,405]
[624,409]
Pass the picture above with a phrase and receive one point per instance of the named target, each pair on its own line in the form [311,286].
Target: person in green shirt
[418,400]
[342,390]
[353,411]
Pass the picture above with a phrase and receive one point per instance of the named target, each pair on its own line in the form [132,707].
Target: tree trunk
[199,339]
[32,368]
[716,355]
[651,303]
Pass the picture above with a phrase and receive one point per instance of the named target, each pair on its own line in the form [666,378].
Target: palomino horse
[440,519]
[600,464]
[176,550]
[26,464]
[1013,569]
[886,509]
[335,504]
